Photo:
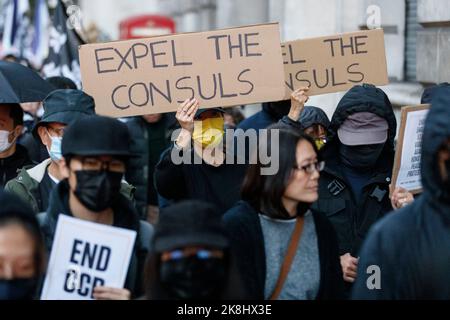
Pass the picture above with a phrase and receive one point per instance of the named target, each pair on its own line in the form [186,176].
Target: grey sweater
[303,280]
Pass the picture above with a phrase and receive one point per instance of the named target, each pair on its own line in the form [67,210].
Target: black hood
[363,98]
[313,115]
[428,93]
[277,109]
[436,132]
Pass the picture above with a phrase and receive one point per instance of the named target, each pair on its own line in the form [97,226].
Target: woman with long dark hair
[283,249]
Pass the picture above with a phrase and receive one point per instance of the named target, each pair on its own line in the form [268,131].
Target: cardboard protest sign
[335,63]
[220,68]
[85,255]
[406,172]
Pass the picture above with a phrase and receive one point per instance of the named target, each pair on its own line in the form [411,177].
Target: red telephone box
[146,26]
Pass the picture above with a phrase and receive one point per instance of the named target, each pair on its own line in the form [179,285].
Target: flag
[16,28]
[3,6]
[39,47]
[63,57]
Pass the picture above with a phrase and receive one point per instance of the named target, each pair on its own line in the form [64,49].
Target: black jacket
[219,186]
[247,242]
[138,171]
[351,218]
[9,166]
[125,216]
[270,114]
[411,246]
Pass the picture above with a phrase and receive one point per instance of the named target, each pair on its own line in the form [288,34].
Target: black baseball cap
[189,223]
[95,136]
[199,112]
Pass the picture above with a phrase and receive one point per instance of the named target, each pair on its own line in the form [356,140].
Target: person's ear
[42,132]
[17,132]
[64,168]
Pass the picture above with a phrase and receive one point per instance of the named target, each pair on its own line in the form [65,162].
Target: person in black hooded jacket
[354,186]
[411,247]
[313,121]
[428,93]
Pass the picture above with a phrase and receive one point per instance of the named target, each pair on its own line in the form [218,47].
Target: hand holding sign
[107,293]
[401,197]
[298,99]
[185,116]
[88,261]
[186,113]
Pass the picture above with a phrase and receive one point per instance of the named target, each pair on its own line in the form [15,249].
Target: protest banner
[220,68]
[335,63]
[406,171]
[85,255]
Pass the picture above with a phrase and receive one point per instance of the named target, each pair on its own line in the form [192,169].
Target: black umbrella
[20,84]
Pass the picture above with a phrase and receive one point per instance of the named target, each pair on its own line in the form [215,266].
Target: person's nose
[315,175]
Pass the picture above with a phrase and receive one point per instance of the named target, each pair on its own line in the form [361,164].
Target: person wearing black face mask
[411,247]
[362,136]
[359,156]
[22,258]
[190,257]
[95,153]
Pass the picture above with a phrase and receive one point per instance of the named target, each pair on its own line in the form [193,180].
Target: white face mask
[4,140]
[55,149]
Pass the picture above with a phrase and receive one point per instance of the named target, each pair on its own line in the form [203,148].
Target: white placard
[409,172]
[84,255]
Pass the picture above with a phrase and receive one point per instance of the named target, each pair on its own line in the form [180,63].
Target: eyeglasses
[96,165]
[311,167]
[201,254]
[59,132]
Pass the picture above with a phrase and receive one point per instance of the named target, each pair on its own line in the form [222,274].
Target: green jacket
[26,185]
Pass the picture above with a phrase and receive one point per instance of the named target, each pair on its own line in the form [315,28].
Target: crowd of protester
[213,229]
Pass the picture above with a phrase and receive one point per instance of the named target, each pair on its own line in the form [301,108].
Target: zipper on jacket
[2,163]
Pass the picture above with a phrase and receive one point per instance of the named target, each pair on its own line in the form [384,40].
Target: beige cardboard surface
[220,68]
[335,63]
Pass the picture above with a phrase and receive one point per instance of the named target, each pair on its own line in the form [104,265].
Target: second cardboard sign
[335,63]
